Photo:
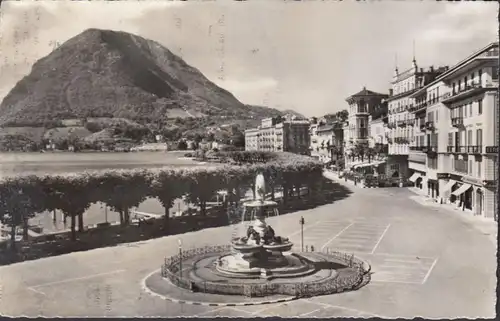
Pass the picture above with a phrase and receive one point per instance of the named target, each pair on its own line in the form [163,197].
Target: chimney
[390,92]
[432,68]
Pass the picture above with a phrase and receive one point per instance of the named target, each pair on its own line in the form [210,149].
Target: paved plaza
[425,262]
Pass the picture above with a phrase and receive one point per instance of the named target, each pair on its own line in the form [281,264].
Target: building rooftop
[456,67]
[365,93]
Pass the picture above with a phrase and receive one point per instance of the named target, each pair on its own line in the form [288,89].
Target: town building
[327,142]
[252,139]
[400,121]
[459,134]
[280,134]
[377,124]
[356,131]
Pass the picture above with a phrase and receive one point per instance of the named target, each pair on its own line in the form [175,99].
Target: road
[425,261]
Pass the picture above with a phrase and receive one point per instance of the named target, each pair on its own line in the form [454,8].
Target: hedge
[23,196]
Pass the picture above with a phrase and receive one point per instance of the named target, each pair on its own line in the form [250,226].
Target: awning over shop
[461,189]
[414,177]
[368,164]
[448,186]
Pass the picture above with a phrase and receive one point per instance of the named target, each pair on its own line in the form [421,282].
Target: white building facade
[461,130]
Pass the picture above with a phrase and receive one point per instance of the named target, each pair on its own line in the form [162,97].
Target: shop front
[417,178]
[433,188]
[463,196]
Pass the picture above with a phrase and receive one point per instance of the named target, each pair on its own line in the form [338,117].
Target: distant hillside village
[436,129]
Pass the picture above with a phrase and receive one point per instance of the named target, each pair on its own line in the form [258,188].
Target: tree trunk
[272,192]
[80,223]
[297,190]
[121,217]
[203,208]
[25,228]
[54,217]
[253,191]
[285,194]
[166,218]
[126,216]
[73,228]
[13,237]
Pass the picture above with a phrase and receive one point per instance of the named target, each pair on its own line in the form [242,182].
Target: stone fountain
[261,253]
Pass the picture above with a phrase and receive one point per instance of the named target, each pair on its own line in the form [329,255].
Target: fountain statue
[260,249]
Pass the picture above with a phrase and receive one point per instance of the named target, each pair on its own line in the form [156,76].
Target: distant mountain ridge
[104,73]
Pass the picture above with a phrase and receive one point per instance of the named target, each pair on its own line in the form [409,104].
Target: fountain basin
[285,247]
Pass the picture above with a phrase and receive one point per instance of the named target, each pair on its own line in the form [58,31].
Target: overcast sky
[307,56]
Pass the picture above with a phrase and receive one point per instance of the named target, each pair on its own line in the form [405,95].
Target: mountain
[104,73]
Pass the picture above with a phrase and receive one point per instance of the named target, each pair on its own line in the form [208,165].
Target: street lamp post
[302,222]
[180,257]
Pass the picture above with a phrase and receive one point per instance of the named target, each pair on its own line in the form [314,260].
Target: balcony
[429,125]
[457,149]
[401,140]
[474,150]
[491,149]
[417,148]
[429,149]
[402,123]
[457,121]
[410,122]
[466,91]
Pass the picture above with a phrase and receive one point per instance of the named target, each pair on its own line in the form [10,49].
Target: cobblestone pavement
[425,262]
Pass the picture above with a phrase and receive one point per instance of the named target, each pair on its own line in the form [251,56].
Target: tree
[182,145]
[168,185]
[70,195]
[370,153]
[20,199]
[122,190]
[360,150]
[342,115]
[202,185]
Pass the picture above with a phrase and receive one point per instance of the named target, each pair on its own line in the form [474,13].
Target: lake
[64,162]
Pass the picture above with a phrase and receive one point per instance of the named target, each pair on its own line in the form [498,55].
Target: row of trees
[22,197]
[363,150]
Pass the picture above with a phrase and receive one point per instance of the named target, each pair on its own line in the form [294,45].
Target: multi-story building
[279,134]
[361,105]
[328,148]
[461,132]
[400,120]
[252,139]
[313,133]
[377,124]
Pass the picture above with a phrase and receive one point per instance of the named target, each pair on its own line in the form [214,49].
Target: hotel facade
[401,123]
[279,134]
[453,154]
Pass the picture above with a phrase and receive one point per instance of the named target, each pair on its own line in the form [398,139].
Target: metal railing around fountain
[170,270]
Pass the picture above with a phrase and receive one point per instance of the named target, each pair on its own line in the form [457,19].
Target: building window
[470,109]
[432,163]
[479,107]
[469,138]
[470,167]
[479,168]
[494,73]
[479,137]
[480,76]
[450,139]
